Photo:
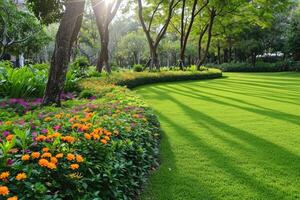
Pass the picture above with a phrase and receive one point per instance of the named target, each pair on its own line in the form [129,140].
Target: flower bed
[88,148]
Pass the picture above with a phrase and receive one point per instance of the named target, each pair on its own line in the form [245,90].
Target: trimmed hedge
[134,79]
[260,67]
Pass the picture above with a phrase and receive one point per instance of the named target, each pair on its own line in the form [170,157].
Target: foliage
[133,79]
[30,81]
[20,31]
[84,150]
[137,68]
[259,67]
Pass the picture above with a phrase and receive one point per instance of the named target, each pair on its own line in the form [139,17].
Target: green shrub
[134,79]
[259,67]
[137,68]
[86,94]
[80,67]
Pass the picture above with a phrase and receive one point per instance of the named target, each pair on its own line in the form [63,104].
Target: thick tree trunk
[66,35]
[103,59]
[153,63]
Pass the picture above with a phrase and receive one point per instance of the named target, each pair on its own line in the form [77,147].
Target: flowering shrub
[89,149]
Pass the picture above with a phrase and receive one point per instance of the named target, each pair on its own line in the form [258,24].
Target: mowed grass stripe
[230,138]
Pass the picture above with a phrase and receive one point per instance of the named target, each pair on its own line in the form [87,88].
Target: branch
[152,16]
[114,11]
[207,2]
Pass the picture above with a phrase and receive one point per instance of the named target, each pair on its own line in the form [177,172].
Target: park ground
[231,138]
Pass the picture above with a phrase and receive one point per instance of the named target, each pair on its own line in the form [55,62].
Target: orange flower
[45,149]
[40,138]
[56,134]
[103,141]
[13,198]
[4,175]
[43,162]
[47,119]
[21,176]
[53,160]
[76,125]
[60,155]
[25,157]
[106,138]
[74,166]
[4,190]
[95,136]
[35,155]
[70,157]
[79,158]
[87,136]
[68,139]
[9,137]
[46,155]
[51,165]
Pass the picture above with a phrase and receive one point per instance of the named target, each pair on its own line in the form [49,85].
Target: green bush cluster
[259,67]
[134,79]
[137,68]
[30,81]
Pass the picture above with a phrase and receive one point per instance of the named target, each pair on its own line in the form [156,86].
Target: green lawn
[232,138]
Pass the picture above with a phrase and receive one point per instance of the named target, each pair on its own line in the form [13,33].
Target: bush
[259,67]
[137,68]
[29,81]
[86,150]
[133,79]
[80,67]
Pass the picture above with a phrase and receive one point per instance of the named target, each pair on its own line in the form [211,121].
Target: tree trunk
[103,59]
[153,62]
[219,53]
[253,59]
[209,35]
[67,33]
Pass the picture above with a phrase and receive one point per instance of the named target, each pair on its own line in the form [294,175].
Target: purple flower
[44,131]
[10,162]
[5,133]
[56,127]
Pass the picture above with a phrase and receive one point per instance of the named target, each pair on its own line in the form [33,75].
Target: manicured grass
[232,138]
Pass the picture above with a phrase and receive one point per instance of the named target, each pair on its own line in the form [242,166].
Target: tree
[293,35]
[17,27]
[186,24]
[153,41]
[104,11]
[66,35]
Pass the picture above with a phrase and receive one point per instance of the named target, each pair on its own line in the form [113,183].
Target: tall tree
[186,24]
[105,11]
[154,37]
[67,33]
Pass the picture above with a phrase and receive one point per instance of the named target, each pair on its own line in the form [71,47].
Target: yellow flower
[21,176]
[4,190]
[13,198]
[25,157]
[70,157]
[60,155]
[74,166]
[35,155]
[51,165]
[8,123]
[47,119]
[46,155]
[43,162]
[79,158]
[4,175]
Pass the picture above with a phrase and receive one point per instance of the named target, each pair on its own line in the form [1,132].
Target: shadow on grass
[268,152]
